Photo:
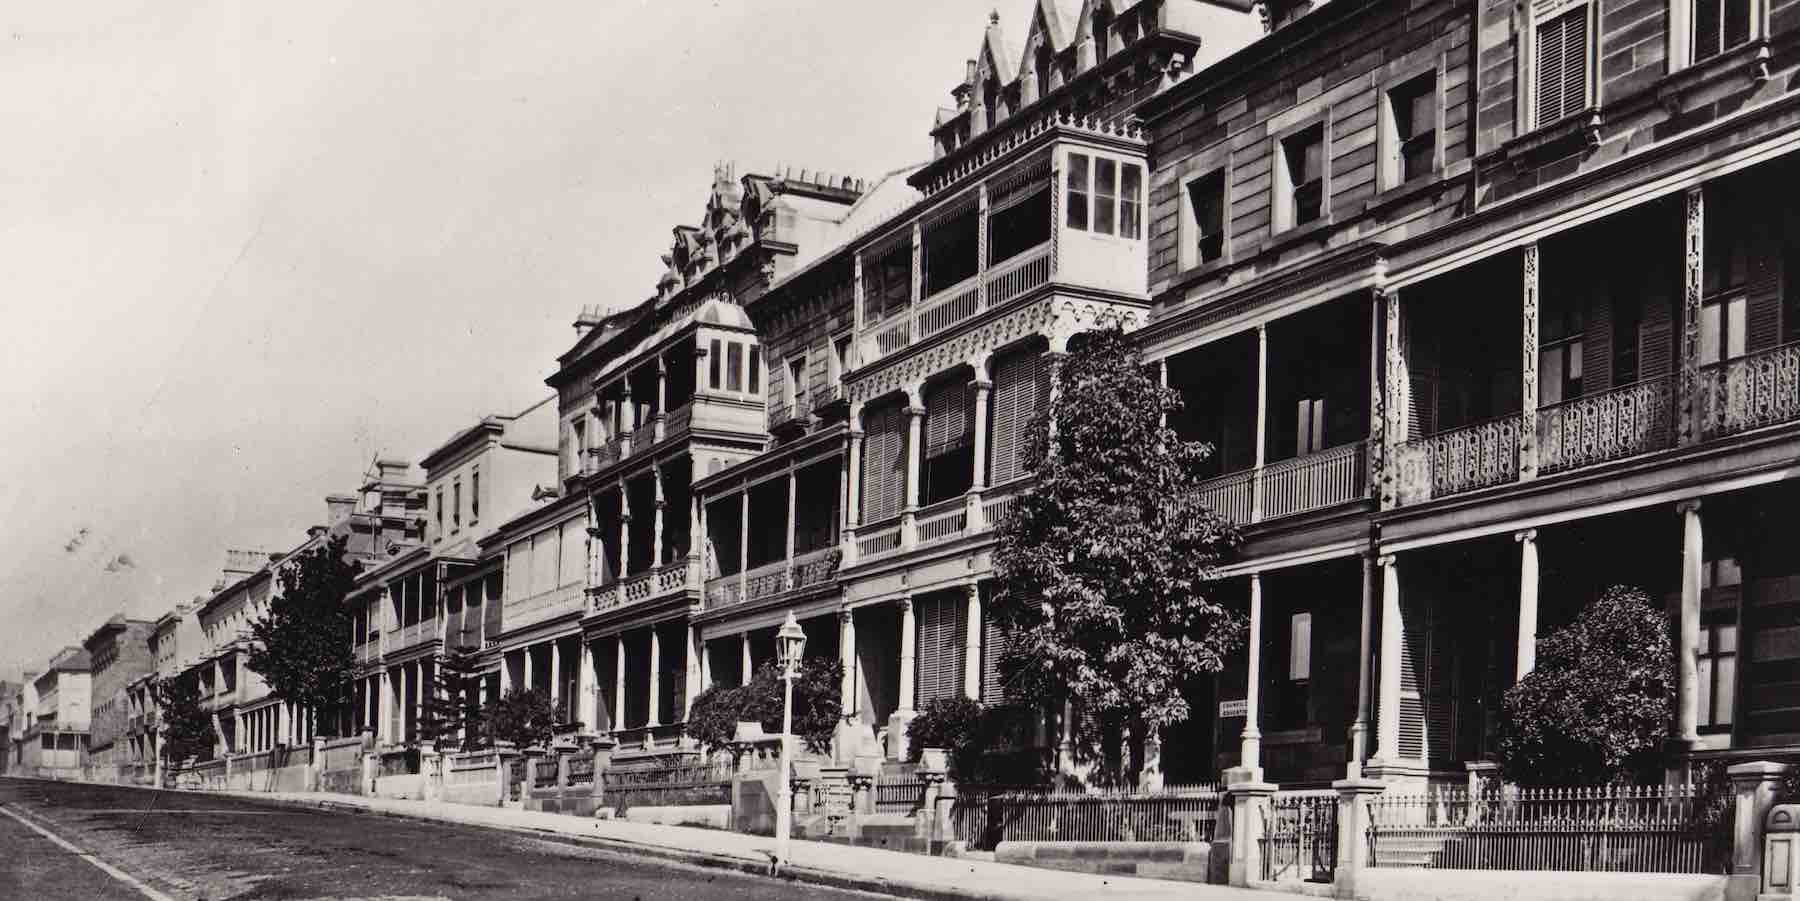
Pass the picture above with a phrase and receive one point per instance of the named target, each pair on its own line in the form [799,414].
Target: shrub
[1596,708]
[985,744]
[522,717]
[713,718]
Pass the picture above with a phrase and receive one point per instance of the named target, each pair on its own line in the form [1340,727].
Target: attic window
[1043,65]
[1102,24]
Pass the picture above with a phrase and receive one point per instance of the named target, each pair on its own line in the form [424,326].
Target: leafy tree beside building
[522,717]
[301,646]
[187,729]
[1107,591]
[451,715]
[1596,708]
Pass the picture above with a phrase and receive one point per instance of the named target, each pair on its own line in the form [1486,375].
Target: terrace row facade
[1482,308]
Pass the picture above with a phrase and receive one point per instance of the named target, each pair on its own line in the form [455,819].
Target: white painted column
[1250,749]
[587,690]
[744,658]
[384,727]
[915,452]
[655,675]
[1528,603]
[847,656]
[984,388]
[744,542]
[528,667]
[557,679]
[656,528]
[624,530]
[972,643]
[706,667]
[662,396]
[792,514]
[1262,421]
[1387,746]
[1687,698]
[284,724]
[909,639]
[694,653]
[618,697]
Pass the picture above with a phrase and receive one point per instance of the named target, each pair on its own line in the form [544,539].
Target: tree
[301,647]
[1105,564]
[523,717]
[187,729]
[451,714]
[713,718]
[1596,708]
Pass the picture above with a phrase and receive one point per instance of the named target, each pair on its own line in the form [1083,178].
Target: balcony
[958,303]
[1749,392]
[1612,425]
[415,634]
[811,568]
[369,651]
[1459,460]
[1290,487]
[637,588]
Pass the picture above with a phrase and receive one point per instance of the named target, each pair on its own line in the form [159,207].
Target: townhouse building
[119,652]
[382,521]
[11,723]
[913,360]
[439,596]
[23,698]
[603,575]
[173,643]
[1485,309]
[54,744]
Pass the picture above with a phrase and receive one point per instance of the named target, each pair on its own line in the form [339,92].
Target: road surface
[74,842]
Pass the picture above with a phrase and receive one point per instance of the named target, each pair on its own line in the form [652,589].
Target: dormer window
[990,101]
[1042,65]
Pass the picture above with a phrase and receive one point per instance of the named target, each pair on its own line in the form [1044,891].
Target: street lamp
[790,642]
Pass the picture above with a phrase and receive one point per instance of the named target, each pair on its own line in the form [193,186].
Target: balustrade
[1749,392]
[878,540]
[1231,496]
[1462,459]
[640,587]
[1018,275]
[1315,481]
[950,306]
[942,521]
[1611,425]
[767,580]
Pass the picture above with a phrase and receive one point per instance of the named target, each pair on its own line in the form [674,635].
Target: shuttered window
[1021,389]
[947,422]
[1562,76]
[941,636]
[884,463]
[1427,697]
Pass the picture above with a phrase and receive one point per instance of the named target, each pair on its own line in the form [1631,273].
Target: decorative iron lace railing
[1749,392]
[1611,425]
[1461,459]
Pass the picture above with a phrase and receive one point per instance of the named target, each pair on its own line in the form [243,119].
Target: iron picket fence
[985,815]
[1299,836]
[1613,828]
[681,784]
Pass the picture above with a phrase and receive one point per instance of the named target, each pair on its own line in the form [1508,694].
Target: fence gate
[1299,839]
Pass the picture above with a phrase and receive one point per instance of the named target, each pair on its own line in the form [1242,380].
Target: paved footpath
[817,863]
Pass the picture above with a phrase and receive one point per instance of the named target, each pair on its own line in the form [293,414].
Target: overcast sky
[244,249]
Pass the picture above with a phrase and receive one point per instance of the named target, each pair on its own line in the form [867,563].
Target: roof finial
[994,17]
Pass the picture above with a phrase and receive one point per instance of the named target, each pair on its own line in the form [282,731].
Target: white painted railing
[1018,275]
[1612,425]
[1315,481]
[1231,496]
[1749,392]
[878,540]
[942,521]
[950,306]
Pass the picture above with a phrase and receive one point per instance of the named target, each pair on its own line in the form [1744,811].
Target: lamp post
[790,642]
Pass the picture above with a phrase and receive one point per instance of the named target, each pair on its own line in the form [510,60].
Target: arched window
[1102,25]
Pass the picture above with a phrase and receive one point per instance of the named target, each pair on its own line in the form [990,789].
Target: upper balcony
[772,524]
[1060,202]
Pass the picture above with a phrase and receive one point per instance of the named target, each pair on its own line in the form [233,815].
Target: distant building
[55,745]
[120,654]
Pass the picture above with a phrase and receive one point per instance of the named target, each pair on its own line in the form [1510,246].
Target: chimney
[338,508]
[590,316]
[240,563]
[390,470]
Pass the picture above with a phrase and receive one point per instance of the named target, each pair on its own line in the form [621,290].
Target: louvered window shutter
[1020,388]
[1596,347]
[1413,654]
[1763,330]
[947,421]
[1421,387]
[940,650]
[1440,697]
[1562,65]
[882,462]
